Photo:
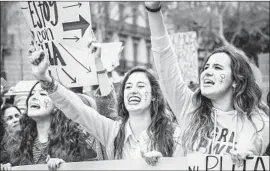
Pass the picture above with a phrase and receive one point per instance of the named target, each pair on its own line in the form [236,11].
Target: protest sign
[64,29]
[110,54]
[186,49]
[199,163]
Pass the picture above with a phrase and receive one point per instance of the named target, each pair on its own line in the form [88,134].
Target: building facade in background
[111,21]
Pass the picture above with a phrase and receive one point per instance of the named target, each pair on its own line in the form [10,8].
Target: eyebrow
[218,65]
[214,64]
[140,82]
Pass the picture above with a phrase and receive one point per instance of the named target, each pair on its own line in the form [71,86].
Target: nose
[34,96]
[134,90]
[209,72]
[16,120]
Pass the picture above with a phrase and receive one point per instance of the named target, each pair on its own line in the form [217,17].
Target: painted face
[137,93]
[39,104]
[216,79]
[12,118]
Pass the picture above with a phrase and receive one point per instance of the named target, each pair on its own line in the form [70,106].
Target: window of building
[134,16]
[121,12]
[149,53]
[135,51]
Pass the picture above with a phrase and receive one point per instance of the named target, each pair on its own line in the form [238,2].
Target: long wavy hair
[3,131]
[66,140]
[161,129]
[246,100]
[6,136]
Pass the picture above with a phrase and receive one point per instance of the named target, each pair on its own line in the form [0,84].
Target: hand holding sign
[238,157]
[54,163]
[95,49]
[152,157]
[5,167]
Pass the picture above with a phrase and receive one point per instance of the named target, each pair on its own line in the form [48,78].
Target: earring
[234,85]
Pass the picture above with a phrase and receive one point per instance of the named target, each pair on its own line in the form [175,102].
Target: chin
[132,109]
[207,94]
[36,114]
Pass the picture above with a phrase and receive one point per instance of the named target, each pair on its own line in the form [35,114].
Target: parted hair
[161,129]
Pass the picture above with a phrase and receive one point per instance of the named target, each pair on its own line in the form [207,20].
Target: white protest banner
[64,29]
[186,49]
[199,163]
[110,54]
[224,163]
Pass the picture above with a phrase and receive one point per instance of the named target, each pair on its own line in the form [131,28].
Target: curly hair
[161,129]
[246,100]
[2,122]
[6,137]
[66,140]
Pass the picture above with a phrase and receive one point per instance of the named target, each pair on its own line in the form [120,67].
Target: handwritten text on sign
[205,163]
[185,45]
[64,29]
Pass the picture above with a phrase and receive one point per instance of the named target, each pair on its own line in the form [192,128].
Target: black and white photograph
[135,85]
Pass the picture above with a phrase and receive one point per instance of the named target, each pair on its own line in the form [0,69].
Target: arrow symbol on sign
[89,70]
[73,80]
[75,25]
[79,4]
[72,38]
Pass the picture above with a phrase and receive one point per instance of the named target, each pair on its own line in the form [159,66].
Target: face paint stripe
[146,95]
[46,101]
[222,76]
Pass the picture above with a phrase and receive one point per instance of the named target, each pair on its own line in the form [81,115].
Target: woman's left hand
[152,157]
[239,157]
[54,163]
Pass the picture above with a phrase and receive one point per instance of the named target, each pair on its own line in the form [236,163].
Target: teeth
[36,106]
[134,98]
[207,81]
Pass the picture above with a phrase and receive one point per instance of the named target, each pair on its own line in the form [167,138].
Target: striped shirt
[40,152]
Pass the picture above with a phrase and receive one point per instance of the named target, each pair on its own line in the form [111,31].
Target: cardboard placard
[110,54]
[190,163]
[186,49]
[64,29]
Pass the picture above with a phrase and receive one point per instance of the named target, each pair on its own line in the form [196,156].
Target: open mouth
[35,106]
[208,82]
[15,125]
[134,100]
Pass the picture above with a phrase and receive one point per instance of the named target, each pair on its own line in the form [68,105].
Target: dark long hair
[6,137]
[66,139]
[246,99]
[161,129]
[2,122]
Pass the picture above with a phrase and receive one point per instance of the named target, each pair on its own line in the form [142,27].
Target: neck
[225,103]
[139,121]
[43,127]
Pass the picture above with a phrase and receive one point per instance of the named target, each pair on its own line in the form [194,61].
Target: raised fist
[39,63]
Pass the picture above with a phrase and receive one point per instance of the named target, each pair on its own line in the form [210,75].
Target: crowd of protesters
[147,118]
